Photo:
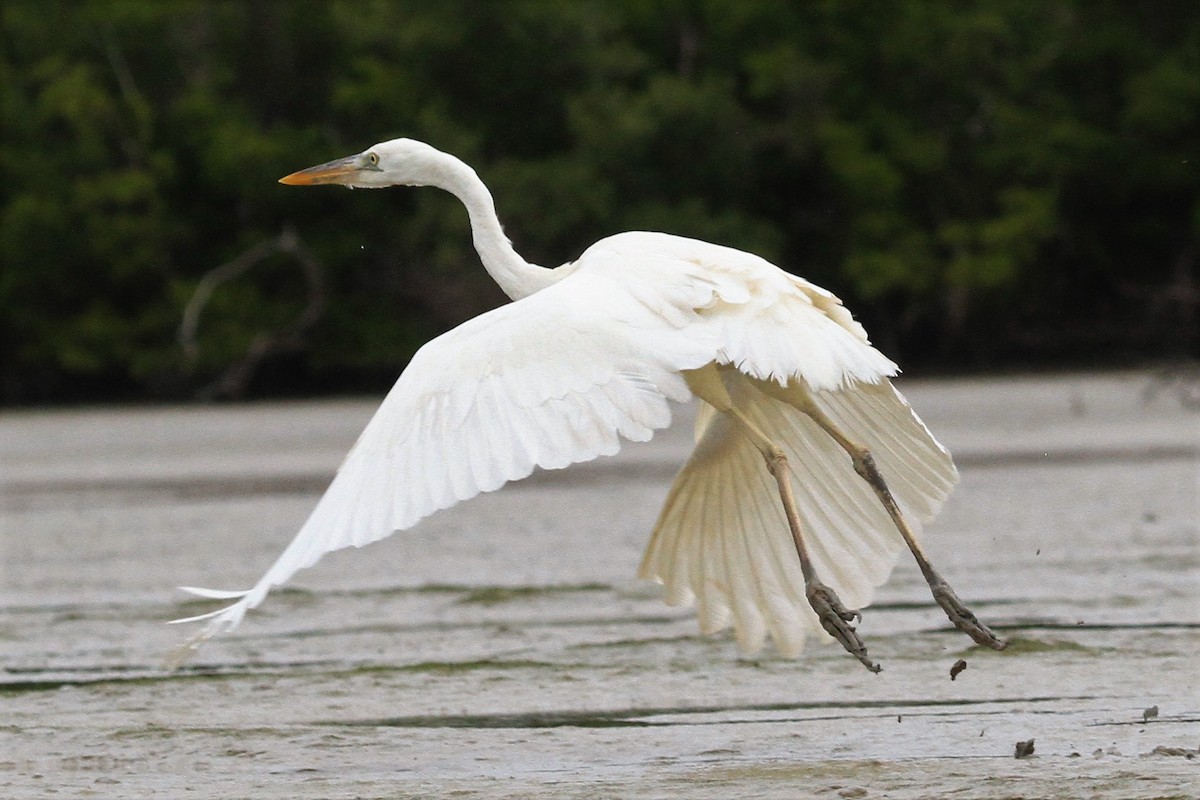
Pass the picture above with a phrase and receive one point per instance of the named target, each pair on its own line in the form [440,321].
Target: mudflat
[503,648]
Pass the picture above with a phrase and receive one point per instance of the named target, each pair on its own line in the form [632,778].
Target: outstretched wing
[552,379]
[722,541]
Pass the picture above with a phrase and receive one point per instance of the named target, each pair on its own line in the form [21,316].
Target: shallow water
[503,647]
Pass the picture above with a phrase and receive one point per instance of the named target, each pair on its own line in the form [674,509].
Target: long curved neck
[516,276]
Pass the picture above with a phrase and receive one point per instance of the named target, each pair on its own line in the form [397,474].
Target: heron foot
[962,617]
[836,619]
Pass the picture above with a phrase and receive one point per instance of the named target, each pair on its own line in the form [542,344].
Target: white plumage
[722,540]
[592,352]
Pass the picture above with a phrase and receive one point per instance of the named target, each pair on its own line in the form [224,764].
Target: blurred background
[988,185]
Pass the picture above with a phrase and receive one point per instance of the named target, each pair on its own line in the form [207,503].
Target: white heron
[810,471]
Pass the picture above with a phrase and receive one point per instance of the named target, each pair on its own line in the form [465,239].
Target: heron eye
[373,158]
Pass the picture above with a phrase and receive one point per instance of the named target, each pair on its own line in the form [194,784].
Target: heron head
[399,162]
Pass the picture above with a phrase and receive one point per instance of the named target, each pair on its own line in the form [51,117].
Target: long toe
[963,618]
[836,620]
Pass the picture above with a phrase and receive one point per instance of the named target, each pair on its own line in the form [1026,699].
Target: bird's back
[764,321]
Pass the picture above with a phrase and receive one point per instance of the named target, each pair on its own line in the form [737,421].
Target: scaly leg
[835,618]
[864,465]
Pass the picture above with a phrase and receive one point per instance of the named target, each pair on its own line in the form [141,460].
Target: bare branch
[236,377]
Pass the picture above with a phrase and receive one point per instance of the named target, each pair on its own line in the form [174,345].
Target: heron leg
[835,618]
[864,465]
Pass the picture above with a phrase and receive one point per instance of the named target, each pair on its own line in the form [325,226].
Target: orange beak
[340,171]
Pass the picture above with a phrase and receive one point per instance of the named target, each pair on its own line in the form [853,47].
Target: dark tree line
[986,184]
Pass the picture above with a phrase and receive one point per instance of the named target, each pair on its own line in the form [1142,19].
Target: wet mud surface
[504,649]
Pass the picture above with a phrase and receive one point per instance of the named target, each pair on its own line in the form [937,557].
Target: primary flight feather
[810,473]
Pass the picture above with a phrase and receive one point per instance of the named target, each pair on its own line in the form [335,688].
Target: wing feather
[749,593]
[546,381]
[849,535]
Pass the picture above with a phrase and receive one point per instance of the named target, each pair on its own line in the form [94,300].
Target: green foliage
[985,183]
